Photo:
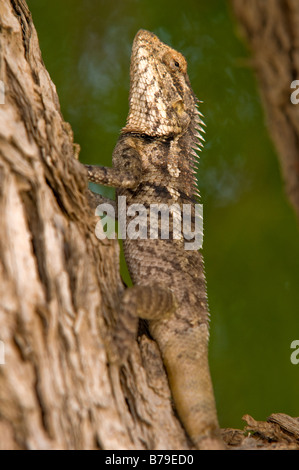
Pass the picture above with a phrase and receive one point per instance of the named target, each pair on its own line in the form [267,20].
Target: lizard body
[154,162]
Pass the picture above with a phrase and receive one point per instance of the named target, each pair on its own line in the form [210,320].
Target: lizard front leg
[126,170]
[114,177]
[127,175]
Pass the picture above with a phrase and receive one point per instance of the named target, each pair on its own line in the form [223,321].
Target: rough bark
[59,285]
[279,432]
[271,29]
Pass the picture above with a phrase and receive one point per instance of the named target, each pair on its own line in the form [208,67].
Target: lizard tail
[186,361]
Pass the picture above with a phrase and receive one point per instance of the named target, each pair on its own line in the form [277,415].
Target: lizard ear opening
[178,106]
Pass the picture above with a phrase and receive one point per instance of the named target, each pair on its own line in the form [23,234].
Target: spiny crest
[195,129]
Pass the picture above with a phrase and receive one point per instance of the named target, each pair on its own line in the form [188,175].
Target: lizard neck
[172,159]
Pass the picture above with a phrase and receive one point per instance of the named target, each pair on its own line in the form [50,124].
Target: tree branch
[271,29]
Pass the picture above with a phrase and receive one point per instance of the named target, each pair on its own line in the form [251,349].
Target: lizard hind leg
[149,302]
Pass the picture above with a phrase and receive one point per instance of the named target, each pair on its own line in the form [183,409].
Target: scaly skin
[154,162]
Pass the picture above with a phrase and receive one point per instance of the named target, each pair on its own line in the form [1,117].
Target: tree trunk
[59,285]
[271,29]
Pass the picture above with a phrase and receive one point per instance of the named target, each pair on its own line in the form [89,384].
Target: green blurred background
[251,244]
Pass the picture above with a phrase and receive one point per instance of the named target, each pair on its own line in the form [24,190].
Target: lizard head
[162,103]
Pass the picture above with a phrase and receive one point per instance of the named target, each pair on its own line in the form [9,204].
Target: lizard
[154,161]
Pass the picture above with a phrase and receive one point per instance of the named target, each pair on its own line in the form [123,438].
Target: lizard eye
[175,65]
[175,62]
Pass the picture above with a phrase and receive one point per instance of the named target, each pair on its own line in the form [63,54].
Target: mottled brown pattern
[156,155]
